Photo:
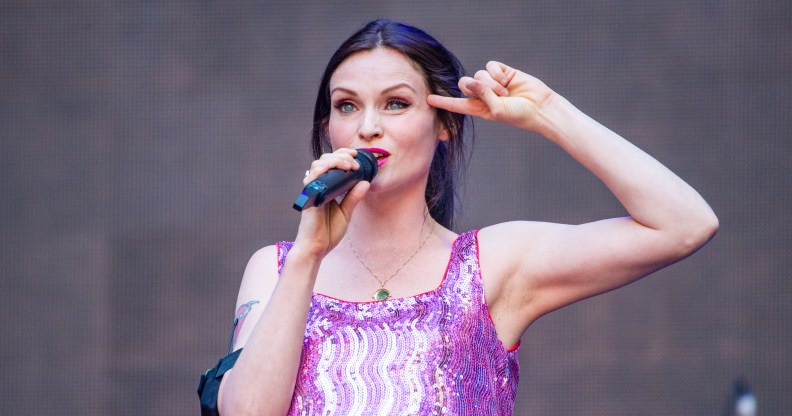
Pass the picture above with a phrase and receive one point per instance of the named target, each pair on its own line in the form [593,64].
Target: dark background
[149,148]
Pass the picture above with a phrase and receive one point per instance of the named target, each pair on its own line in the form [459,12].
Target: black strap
[209,386]
[227,363]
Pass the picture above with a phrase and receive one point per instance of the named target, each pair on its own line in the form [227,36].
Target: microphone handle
[326,187]
[336,182]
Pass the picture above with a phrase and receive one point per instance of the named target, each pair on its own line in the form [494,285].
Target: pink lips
[381,154]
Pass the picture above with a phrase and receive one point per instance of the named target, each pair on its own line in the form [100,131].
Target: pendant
[381,294]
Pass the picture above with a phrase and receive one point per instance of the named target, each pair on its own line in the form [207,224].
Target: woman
[378,307]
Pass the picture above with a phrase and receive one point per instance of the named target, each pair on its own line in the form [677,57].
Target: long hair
[442,71]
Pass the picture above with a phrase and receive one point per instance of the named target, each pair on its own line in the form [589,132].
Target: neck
[397,218]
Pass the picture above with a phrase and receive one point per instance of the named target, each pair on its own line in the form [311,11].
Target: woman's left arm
[540,267]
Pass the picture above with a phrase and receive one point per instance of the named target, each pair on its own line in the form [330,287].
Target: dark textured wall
[144,158]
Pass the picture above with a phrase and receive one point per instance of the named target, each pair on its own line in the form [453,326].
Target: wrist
[307,253]
[554,116]
[300,269]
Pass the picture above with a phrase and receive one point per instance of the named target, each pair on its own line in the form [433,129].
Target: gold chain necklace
[382,293]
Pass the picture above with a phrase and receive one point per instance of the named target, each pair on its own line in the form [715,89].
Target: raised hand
[321,228]
[503,94]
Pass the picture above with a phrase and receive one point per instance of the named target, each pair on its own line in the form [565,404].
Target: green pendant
[381,294]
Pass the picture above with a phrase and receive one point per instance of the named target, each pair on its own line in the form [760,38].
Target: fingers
[486,85]
[500,72]
[352,198]
[483,100]
[481,90]
[493,81]
[492,94]
[465,106]
[343,159]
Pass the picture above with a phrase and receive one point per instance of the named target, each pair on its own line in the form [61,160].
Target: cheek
[421,131]
[340,133]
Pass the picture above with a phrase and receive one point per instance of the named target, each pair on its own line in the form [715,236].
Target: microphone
[336,182]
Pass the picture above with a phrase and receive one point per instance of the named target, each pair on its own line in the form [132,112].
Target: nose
[370,127]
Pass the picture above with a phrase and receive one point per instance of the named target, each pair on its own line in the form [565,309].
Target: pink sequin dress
[429,354]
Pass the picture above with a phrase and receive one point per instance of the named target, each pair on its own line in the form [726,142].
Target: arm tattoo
[239,318]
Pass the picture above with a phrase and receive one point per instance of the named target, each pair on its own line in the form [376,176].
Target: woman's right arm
[263,378]
[262,381]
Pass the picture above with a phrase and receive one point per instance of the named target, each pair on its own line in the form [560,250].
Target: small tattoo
[245,309]
[239,318]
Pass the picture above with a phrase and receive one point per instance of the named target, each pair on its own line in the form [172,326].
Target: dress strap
[463,261]
[283,250]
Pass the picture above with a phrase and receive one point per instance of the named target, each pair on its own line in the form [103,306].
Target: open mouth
[380,154]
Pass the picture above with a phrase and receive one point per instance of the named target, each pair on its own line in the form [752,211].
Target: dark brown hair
[442,71]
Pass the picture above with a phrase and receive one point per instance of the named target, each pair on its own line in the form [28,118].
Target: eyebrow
[385,91]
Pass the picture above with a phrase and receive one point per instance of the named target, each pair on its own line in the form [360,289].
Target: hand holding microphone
[335,182]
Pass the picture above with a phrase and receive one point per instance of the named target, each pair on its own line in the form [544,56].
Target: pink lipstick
[381,154]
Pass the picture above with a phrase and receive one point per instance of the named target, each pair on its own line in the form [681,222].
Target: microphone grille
[368,164]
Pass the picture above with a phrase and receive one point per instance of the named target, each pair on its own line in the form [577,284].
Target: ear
[442,132]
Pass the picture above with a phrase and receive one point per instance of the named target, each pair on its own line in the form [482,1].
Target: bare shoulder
[260,277]
[505,248]
[507,244]
[513,258]
[258,283]
[508,232]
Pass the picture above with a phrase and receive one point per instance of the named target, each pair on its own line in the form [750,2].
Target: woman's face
[378,100]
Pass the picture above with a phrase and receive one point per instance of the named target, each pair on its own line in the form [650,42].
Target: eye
[345,107]
[395,104]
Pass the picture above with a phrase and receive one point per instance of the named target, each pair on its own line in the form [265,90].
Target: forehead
[383,65]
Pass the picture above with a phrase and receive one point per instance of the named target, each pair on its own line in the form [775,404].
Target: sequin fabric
[430,354]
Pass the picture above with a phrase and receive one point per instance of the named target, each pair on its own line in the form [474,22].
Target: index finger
[469,106]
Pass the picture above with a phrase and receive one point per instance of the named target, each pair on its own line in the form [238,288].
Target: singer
[378,306]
